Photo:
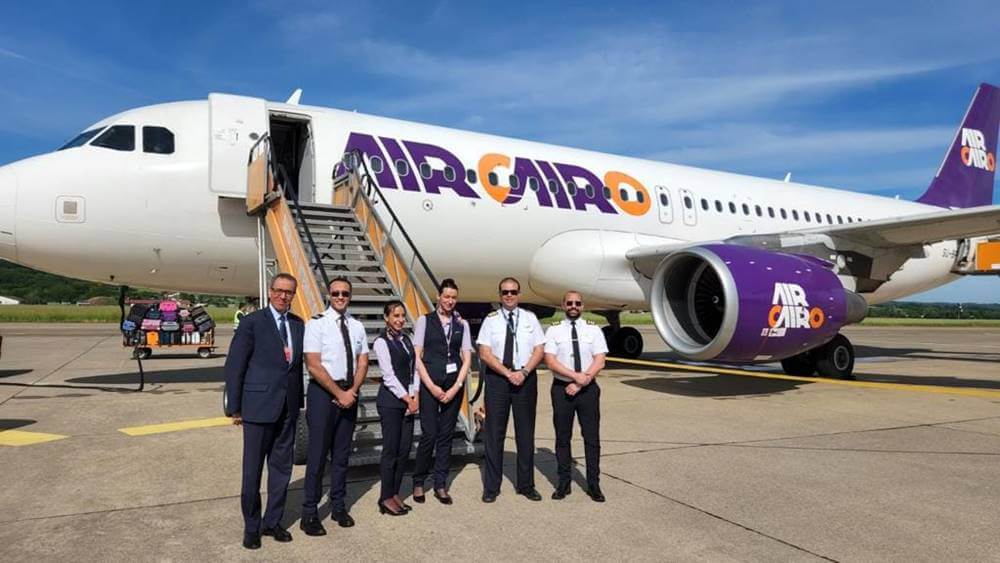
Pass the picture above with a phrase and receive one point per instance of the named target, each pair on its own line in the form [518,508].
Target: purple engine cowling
[740,304]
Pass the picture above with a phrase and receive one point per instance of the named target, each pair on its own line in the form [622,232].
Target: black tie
[348,351]
[508,345]
[576,347]
[283,331]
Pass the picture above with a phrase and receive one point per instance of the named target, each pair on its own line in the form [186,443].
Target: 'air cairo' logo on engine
[790,309]
[974,153]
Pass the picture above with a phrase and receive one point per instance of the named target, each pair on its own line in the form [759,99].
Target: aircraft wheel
[801,364]
[204,352]
[301,449]
[628,342]
[835,358]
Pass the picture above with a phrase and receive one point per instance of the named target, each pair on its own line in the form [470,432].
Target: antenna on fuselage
[788,177]
[293,100]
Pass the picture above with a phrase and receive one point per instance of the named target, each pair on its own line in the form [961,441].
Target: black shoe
[342,518]
[530,494]
[405,506]
[419,498]
[561,492]
[383,509]
[595,493]
[278,533]
[312,527]
[442,496]
[251,541]
[489,498]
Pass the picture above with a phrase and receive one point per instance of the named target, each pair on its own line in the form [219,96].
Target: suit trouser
[502,397]
[397,439]
[587,406]
[331,431]
[273,442]
[437,430]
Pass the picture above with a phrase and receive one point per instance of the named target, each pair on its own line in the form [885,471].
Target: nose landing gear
[835,359]
[623,341]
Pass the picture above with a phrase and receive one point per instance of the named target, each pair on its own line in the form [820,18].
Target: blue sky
[860,96]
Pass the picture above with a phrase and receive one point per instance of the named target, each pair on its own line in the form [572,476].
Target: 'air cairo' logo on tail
[974,152]
[790,309]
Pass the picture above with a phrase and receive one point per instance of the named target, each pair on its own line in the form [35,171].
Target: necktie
[348,351]
[508,345]
[283,331]
[576,347]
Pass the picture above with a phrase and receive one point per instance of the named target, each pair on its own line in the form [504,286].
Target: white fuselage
[159,220]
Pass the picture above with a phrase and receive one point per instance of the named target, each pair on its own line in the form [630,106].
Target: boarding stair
[357,236]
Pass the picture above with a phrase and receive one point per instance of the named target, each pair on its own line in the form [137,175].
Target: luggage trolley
[167,324]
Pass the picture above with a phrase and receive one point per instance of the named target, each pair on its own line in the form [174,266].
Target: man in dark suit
[264,394]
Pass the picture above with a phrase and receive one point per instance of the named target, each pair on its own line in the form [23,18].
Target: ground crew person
[575,350]
[444,354]
[336,351]
[510,347]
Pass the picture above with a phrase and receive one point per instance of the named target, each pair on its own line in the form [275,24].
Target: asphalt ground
[705,463]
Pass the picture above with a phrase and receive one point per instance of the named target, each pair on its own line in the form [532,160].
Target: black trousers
[331,431]
[397,439]
[502,397]
[271,442]
[587,406]
[437,429]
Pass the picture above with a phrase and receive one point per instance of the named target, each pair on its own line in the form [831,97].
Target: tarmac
[702,463]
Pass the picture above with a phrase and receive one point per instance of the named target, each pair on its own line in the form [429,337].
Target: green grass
[83,314]
[893,321]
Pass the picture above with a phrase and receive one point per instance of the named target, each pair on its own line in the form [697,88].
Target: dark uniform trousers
[331,431]
[270,441]
[502,397]
[437,430]
[397,439]
[587,406]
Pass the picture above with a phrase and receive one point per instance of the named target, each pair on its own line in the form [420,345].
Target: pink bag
[168,306]
[150,324]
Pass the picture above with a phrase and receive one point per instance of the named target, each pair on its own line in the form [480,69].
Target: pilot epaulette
[493,314]
[318,316]
[555,323]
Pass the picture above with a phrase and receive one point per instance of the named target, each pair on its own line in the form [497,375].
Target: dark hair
[391,306]
[447,283]
[341,279]
[284,276]
[508,279]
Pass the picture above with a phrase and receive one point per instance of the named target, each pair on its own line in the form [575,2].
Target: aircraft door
[236,123]
[665,204]
[307,170]
[689,207]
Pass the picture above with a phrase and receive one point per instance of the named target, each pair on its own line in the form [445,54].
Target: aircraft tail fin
[965,178]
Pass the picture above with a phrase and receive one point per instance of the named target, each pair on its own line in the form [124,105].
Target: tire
[301,450]
[835,359]
[144,353]
[802,365]
[628,342]
[204,353]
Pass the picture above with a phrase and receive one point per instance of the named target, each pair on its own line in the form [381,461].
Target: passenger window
[607,193]
[81,139]
[425,170]
[514,182]
[117,137]
[795,215]
[663,200]
[718,206]
[829,219]
[493,178]
[157,140]
[850,219]
[639,197]
[784,214]
[687,202]
[746,209]
[590,191]
[704,204]
[624,193]
[770,212]
[806,215]
[470,175]
[571,188]
[449,173]
[840,220]
[757,208]
[376,163]
[553,186]
[402,168]
[533,183]
[732,208]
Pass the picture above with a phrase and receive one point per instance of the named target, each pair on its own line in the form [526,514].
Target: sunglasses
[509,291]
[340,294]
[574,303]
[285,292]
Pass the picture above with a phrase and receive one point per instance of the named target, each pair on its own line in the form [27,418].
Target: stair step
[313,206]
[356,274]
[328,224]
[328,263]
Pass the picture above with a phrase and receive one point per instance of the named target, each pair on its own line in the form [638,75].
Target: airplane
[733,268]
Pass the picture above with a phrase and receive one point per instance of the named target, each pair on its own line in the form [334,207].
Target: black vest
[436,350]
[402,366]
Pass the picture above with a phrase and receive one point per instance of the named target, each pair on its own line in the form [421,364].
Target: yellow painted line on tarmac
[21,438]
[176,426]
[966,391]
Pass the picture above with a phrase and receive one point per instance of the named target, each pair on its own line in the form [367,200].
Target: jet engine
[741,304]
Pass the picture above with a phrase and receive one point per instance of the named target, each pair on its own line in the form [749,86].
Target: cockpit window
[158,140]
[117,137]
[82,138]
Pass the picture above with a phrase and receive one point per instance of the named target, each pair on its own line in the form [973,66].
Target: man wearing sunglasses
[575,350]
[510,348]
[336,351]
[263,393]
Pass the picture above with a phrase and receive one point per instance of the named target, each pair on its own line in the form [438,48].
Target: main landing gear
[835,359]
[623,341]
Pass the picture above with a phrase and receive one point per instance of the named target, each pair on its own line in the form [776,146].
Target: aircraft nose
[8,208]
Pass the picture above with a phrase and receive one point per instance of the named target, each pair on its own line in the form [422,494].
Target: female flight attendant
[444,353]
[397,403]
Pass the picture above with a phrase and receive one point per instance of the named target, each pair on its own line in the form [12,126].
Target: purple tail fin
[965,178]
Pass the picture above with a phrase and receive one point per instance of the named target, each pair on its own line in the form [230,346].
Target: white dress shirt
[381,349]
[323,336]
[527,334]
[559,342]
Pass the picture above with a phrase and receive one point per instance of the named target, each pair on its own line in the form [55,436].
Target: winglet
[295,97]
[965,178]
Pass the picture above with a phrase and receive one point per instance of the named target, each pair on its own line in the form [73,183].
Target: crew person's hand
[344,399]
[516,377]
[572,389]
[438,393]
[449,395]
[237,419]
[412,404]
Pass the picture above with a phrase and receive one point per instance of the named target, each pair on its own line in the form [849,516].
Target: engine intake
[741,304]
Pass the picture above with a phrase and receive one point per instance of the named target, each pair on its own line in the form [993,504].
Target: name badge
[451,368]
[288,354]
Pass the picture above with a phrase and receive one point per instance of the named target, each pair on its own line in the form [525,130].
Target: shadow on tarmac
[924,354]
[13,372]
[214,374]
[13,423]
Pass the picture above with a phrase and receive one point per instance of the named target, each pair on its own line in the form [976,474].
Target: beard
[573,314]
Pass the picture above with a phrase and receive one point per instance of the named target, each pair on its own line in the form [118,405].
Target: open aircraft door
[236,123]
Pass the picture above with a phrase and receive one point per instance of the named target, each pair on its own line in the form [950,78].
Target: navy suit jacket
[259,382]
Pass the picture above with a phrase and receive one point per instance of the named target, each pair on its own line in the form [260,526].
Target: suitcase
[187,326]
[153,338]
[168,306]
[154,313]
[169,316]
[137,312]
[128,325]
[170,326]
[151,324]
